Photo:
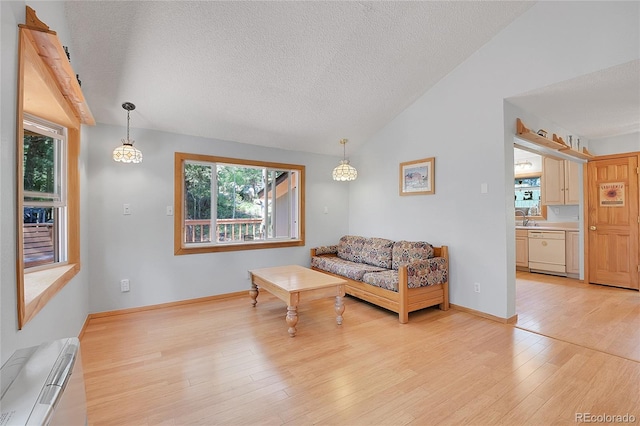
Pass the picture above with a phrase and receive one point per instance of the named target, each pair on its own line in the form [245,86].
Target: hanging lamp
[344,172]
[126,153]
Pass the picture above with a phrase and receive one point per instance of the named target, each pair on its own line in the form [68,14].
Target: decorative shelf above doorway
[555,143]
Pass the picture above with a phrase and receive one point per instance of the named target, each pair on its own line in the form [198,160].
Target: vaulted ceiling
[294,75]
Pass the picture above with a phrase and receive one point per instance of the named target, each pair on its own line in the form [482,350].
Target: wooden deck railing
[198,231]
[38,244]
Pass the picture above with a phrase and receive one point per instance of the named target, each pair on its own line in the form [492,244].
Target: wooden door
[612,220]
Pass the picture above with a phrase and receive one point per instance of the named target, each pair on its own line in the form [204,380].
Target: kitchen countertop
[542,226]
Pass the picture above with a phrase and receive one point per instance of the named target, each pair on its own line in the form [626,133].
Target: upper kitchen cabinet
[560,182]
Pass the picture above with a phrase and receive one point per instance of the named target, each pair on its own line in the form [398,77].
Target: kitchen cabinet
[560,182]
[522,250]
[572,241]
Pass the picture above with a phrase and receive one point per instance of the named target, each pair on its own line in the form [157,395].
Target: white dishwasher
[547,252]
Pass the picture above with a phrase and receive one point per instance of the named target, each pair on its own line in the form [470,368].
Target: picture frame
[418,177]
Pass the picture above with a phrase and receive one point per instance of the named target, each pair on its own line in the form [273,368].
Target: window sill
[40,286]
[238,246]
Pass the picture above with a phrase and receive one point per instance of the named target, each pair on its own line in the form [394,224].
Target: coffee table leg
[292,319]
[339,306]
[254,294]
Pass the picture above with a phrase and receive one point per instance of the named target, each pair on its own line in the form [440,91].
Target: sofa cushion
[350,248]
[377,252]
[342,267]
[385,279]
[419,274]
[427,272]
[327,250]
[405,252]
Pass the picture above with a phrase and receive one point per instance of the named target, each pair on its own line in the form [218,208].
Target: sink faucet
[525,220]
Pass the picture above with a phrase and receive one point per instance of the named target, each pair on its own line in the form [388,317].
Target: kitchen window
[226,204]
[527,197]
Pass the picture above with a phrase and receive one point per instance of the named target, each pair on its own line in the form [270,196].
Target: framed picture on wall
[417,177]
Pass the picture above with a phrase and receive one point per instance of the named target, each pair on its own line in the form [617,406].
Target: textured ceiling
[294,75]
[597,105]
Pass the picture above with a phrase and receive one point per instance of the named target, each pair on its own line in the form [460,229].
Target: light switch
[126,209]
[169,210]
[484,188]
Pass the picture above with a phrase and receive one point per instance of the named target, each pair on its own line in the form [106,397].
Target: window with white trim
[225,204]
[44,193]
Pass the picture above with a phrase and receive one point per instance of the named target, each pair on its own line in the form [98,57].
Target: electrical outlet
[476,287]
[124,285]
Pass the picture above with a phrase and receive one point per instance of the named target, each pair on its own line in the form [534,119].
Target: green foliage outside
[38,163]
[238,189]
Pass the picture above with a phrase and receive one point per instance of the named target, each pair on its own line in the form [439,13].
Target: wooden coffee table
[293,282]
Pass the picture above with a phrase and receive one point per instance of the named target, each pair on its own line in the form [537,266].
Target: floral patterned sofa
[402,276]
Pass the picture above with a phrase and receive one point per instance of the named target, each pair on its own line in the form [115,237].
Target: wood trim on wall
[510,320]
[53,106]
[235,295]
[73,203]
[178,217]
[585,223]
[55,60]
[19,178]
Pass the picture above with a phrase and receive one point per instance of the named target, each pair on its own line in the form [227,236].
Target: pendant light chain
[128,120]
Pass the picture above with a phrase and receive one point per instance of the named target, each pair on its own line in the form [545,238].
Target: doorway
[558,202]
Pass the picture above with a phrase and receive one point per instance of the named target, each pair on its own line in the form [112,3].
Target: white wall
[65,314]
[461,122]
[615,145]
[140,246]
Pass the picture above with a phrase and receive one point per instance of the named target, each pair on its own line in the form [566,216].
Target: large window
[50,111]
[225,204]
[44,193]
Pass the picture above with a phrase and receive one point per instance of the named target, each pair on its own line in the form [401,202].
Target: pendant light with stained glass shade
[127,153]
[344,172]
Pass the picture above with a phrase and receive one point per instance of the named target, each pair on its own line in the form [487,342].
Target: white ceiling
[599,105]
[294,75]
[302,75]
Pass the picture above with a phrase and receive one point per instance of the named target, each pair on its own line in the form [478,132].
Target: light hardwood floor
[598,317]
[224,362]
